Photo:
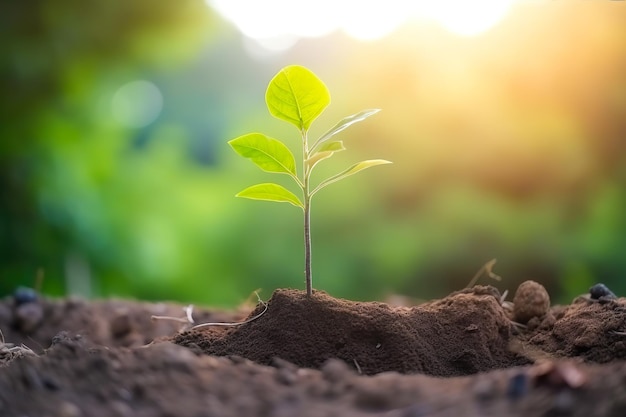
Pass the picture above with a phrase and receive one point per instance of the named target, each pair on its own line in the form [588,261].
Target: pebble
[531,300]
[601,291]
[23,295]
[518,386]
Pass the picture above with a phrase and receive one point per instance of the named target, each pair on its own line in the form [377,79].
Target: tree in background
[54,56]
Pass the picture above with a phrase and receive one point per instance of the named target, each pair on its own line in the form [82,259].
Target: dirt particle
[485,389]
[531,300]
[369,397]
[563,404]
[286,376]
[120,325]
[67,409]
[28,317]
[121,409]
[335,370]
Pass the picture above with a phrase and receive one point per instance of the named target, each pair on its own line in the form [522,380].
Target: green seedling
[298,96]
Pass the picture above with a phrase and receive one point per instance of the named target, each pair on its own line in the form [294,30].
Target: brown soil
[320,356]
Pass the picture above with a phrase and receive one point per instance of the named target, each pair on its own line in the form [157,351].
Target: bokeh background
[505,120]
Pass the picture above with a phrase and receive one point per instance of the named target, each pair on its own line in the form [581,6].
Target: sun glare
[466,18]
[277,24]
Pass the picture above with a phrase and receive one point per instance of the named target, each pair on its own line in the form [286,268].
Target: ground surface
[464,355]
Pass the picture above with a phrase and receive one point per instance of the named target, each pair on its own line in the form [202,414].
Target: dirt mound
[465,333]
[593,330]
[108,322]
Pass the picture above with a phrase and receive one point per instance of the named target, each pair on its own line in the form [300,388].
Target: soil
[468,354]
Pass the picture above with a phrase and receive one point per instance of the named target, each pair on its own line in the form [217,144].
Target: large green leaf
[360,166]
[345,123]
[269,154]
[297,96]
[271,192]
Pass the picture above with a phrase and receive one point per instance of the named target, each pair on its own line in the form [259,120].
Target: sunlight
[274,24]
[465,18]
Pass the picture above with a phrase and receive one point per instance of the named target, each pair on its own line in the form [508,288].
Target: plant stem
[307,247]
[307,214]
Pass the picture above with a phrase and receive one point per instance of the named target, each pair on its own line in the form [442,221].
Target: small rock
[518,386]
[23,295]
[531,300]
[599,291]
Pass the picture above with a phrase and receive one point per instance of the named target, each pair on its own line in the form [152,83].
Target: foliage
[53,72]
[297,96]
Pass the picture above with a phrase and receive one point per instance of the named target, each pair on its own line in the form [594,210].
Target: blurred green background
[508,141]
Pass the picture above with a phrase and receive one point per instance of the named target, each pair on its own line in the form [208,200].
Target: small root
[486,269]
[9,351]
[197,326]
[188,319]
[503,297]
[358,368]
[519,325]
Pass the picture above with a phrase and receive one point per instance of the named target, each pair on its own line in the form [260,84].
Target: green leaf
[326,151]
[271,192]
[297,96]
[334,146]
[345,123]
[269,154]
[360,166]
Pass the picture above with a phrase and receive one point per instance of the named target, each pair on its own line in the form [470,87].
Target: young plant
[297,96]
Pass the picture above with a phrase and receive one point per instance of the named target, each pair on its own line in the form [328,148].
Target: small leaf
[345,123]
[325,151]
[360,166]
[297,96]
[334,146]
[269,154]
[271,192]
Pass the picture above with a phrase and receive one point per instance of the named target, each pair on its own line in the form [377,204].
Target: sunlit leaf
[271,192]
[325,151]
[360,166]
[269,154]
[334,146]
[297,96]
[345,123]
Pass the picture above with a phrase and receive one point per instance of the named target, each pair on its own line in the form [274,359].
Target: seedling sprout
[296,95]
